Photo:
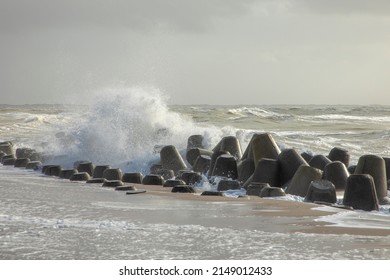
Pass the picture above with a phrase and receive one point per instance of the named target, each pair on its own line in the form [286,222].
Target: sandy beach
[280,215]
[45,217]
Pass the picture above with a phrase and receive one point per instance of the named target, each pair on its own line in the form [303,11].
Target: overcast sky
[197,51]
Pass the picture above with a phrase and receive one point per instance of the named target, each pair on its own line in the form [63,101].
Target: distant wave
[342,117]
[257,112]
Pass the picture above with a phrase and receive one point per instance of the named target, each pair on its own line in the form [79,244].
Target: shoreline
[277,211]
[45,217]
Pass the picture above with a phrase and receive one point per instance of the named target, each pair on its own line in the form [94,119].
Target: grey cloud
[178,14]
[349,7]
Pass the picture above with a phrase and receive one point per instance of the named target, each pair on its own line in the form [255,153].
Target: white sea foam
[123,125]
[347,118]
[257,112]
[358,219]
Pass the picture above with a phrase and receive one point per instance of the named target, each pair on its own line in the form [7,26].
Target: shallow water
[49,218]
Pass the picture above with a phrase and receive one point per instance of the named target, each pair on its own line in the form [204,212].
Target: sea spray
[125,127]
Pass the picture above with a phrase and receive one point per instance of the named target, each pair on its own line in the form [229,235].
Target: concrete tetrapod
[7,148]
[86,167]
[153,179]
[173,182]
[225,166]
[80,176]
[232,145]
[24,152]
[112,174]
[67,173]
[245,169]
[226,184]
[375,166]
[339,154]
[256,188]
[99,170]
[190,177]
[171,159]
[53,170]
[21,162]
[193,154]
[289,161]
[34,165]
[300,183]
[337,173]
[166,173]
[360,193]
[321,191]
[202,164]
[267,171]
[195,141]
[264,146]
[272,192]
[319,162]
[134,177]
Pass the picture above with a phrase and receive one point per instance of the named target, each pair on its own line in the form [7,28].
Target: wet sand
[289,216]
[44,217]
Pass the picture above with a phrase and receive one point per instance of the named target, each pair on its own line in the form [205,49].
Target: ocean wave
[348,118]
[123,125]
[257,112]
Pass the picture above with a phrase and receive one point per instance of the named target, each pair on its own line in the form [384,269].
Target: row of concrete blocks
[263,162]
[103,174]
[86,171]
[314,177]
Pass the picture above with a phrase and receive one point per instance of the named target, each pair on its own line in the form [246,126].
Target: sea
[43,217]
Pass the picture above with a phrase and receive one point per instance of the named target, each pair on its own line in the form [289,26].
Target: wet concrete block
[153,179]
[340,154]
[183,189]
[225,166]
[193,154]
[21,162]
[264,146]
[319,162]
[321,191]
[173,182]
[272,192]
[202,164]
[171,159]
[53,170]
[289,162]
[360,193]
[80,177]
[226,184]
[133,177]
[166,173]
[86,167]
[256,188]
[300,183]
[245,169]
[99,170]
[267,171]
[67,173]
[337,173]
[112,183]
[375,166]
[190,177]
[112,174]
[34,165]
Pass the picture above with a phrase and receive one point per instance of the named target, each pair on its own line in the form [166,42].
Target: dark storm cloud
[177,14]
